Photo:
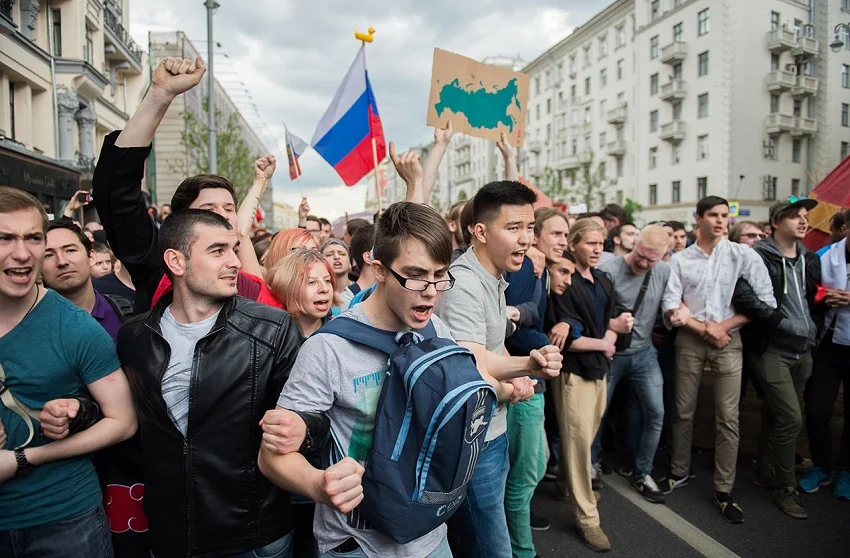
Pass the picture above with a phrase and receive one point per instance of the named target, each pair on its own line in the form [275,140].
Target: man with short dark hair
[680,236]
[50,497]
[351,227]
[613,216]
[698,300]
[205,365]
[623,238]
[361,248]
[837,230]
[117,182]
[326,233]
[476,312]
[314,226]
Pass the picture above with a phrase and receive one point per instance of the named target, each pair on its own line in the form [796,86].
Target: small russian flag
[344,135]
[295,146]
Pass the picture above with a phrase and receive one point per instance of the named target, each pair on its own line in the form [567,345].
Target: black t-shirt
[111,285]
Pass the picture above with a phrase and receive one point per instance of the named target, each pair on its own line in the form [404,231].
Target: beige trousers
[579,406]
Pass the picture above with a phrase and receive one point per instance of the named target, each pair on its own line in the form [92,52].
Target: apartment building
[679,99]
[69,75]
[171,162]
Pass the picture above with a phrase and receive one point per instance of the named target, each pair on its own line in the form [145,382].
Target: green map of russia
[482,108]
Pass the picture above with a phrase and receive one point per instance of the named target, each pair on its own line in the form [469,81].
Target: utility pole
[211,6]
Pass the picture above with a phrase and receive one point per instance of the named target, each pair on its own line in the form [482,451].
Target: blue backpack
[430,424]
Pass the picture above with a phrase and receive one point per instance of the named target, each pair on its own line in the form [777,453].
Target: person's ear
[175,261]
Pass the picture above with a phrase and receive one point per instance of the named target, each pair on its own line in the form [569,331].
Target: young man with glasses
[746,232]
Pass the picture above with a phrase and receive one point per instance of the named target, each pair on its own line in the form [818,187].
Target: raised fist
[174,76]
[341,485]
[264,167]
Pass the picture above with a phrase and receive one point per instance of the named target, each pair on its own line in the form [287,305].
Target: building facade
[171,161]
[69,75]
[679,99]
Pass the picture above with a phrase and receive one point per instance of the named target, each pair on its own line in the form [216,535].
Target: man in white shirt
[698,299]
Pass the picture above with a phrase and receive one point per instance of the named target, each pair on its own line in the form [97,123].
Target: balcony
[806,46]
[87,81]
[118,45]
[778,123]
[804,127]
[7,24]
[462,158]
[781,80]
[674,53]
[673,132]
[781,39]
[574,161]
[535,146]
[805,85]
[673,91]
[617,148]
[617,116]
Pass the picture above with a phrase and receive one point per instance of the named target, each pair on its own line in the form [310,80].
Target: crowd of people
[180,382]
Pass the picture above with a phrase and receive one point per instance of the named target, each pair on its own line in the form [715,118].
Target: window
[678,32]
[587,115]
[621,69]
[653,121]
[603,140]
[774,20]
[537,85]
[677,191]
[774,62]
[845,114]
[654,10]
[12,109]
[537,112]
[603,78]
[702,148]
[702,106]
[620,37]
[653,157]
[774,104]
[548,80]
[676,154]
[575,117]
[573,91]
[548,131]
[57,32]
[677,71]
[702,64]
[621,99]
[653,194]
[810,108]
[653,48]
[574,148]
[653,85]
[677,110]
[845,76]
[89,53]
[702,187]
[703,23]
[548,106]
[573,64]
[587,56]
[798,108]
[603,104]
[587,86]
[619,166]
[603,47]
[587,143]
[796,148]
[795,186]
[845,149]
[559,72]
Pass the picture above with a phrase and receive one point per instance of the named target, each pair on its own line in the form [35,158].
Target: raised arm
[510,158]
[264,168]
[442,139]
[409,168]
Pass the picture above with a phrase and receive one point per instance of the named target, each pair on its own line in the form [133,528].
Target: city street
[689,525]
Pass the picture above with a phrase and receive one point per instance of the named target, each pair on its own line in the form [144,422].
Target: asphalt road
[690,525]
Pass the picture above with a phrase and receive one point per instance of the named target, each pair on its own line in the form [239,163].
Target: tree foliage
[632,208]
[553,184]
[590,182]
[234,158]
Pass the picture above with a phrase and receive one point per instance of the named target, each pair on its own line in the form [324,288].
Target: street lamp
[837,44]
[211,6]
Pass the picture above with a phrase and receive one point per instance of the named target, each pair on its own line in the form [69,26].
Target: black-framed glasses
[420,285]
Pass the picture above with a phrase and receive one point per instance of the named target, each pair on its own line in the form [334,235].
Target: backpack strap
[364,334]
[24,412]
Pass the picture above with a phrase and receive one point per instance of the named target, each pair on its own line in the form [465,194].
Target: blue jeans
[480,521]
[85,535]
[281,548]
[643,373]
[442,551]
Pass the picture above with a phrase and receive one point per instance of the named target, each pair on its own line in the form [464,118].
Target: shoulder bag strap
[644,286]
[9,401]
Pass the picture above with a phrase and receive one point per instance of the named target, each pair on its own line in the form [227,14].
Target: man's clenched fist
[546,361]
[283,431]
[174,76]
[56,416]
[341,485]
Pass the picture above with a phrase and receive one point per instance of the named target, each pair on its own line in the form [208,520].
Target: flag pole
[368,38]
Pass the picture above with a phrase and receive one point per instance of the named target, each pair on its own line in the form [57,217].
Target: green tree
[632,208]
[461,196]
[435,202]
[590,182]
[234,158]
[553,184]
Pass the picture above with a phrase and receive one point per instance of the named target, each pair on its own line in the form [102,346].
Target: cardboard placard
[480,100]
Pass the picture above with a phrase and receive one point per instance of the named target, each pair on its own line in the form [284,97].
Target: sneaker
[539,523]
[625,471]
[788,500]
[647,488]
[764,480]
[802,464]
[729,508]
[596,539]
[814,479]
[673,482]
[551,472]
[596,477]
[842,485]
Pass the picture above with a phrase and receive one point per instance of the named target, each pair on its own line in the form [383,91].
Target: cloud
[291,57]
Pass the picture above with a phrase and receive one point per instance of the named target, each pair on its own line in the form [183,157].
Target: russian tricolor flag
[345,132]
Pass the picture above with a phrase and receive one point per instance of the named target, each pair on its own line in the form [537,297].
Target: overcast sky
[292,56]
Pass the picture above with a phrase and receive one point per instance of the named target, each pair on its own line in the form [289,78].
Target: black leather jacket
[204,494]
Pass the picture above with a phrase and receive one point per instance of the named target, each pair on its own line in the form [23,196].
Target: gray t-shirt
[343,380]
[175,382]
[475,311]
[626,288]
